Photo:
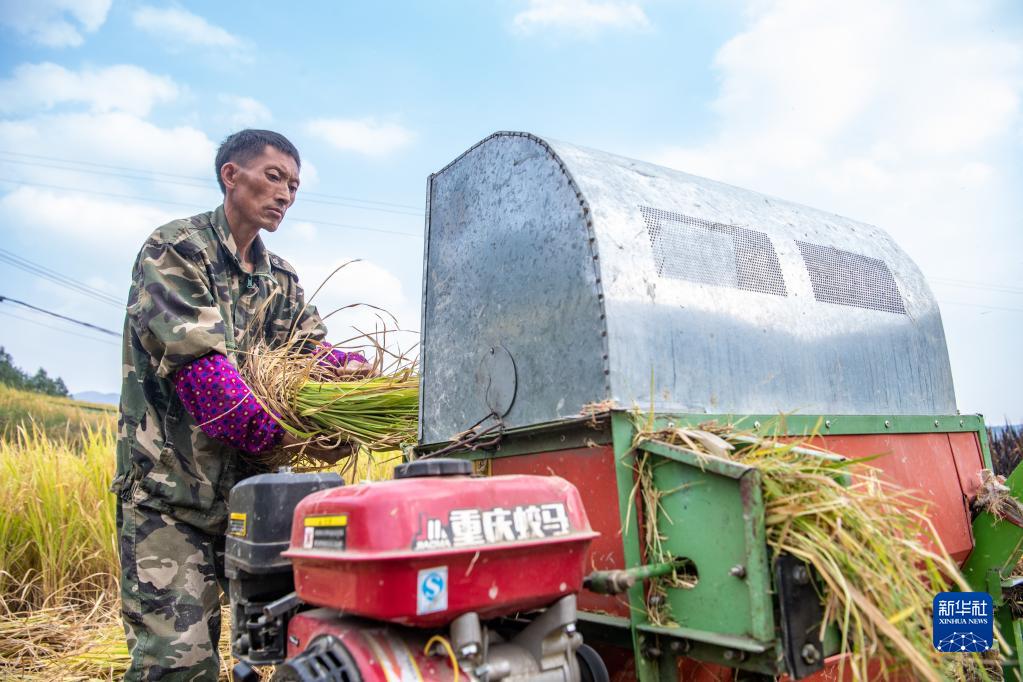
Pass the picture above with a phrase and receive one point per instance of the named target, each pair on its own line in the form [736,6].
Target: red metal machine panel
[969,461]
[592,472]
[421,551]
[927,464]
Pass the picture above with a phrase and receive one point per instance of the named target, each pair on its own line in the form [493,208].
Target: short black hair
[245,145]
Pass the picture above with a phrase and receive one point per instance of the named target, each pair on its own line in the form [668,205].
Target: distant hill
[97,397]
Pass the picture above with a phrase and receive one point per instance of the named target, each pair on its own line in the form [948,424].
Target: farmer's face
[262,189]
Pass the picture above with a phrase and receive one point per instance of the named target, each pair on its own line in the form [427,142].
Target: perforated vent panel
[848,278]
[702,251]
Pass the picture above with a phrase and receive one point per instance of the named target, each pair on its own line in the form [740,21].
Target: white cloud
[906,115]
[359,282]
[365,136]
[586,17]
[307,232]
[123,87]
[117,138]
[102,223]
[54,23]
[176,26]
[869,108]
[309,173]
[97,214]
[245,112]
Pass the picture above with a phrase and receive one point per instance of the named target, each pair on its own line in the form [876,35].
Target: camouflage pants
[171,579]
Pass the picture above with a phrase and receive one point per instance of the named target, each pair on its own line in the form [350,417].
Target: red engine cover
[421,551]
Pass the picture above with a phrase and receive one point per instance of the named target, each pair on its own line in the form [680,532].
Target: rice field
[58,557]
[61,418]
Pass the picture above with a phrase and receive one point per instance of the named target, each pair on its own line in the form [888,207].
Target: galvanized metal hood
[557,276]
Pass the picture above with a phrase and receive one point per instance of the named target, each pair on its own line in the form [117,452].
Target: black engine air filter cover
[259,525]
[325,660]
[440,466]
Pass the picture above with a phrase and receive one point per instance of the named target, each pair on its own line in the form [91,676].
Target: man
[204,290]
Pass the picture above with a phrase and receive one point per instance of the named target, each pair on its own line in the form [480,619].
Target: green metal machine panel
[711,514]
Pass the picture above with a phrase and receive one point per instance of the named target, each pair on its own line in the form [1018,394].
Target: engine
[432,575]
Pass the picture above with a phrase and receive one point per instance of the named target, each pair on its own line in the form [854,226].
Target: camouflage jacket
[189,297]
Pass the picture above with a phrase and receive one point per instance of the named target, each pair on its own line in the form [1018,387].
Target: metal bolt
[936,422]
[733,655]
[652,652]
[962,422]
[756,425]
[570,628]
[800,575]
[810,654]
[469,650]
[656,599]
[680,646]
[887,424]
[738,571]
[827,423]
[491,351]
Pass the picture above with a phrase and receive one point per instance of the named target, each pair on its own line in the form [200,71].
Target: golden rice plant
[57,543]
[873,546]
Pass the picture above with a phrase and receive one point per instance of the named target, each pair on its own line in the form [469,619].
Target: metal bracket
[801,615]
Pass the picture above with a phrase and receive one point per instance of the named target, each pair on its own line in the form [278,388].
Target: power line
[981,305]
[59,316]
[57,278]
[196,206]
[977,285]
[205,186]
[59,329]
[205,182]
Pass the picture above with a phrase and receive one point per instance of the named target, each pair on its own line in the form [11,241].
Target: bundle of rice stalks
[376,410]
[328,408]
[877,554]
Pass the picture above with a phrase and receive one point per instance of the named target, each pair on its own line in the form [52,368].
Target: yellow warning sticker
[332,521]
[236,524]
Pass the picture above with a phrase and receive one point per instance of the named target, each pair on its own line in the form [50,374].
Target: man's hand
[355,369]
[330,456]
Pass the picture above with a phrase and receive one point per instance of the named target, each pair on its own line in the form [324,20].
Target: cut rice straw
[872,544]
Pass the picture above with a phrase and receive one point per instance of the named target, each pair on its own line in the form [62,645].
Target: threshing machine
[562,288]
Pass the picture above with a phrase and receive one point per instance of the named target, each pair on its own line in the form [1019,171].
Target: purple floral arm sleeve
[338,358]
[214,394]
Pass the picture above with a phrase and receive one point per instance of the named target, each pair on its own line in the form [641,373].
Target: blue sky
[906,115]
